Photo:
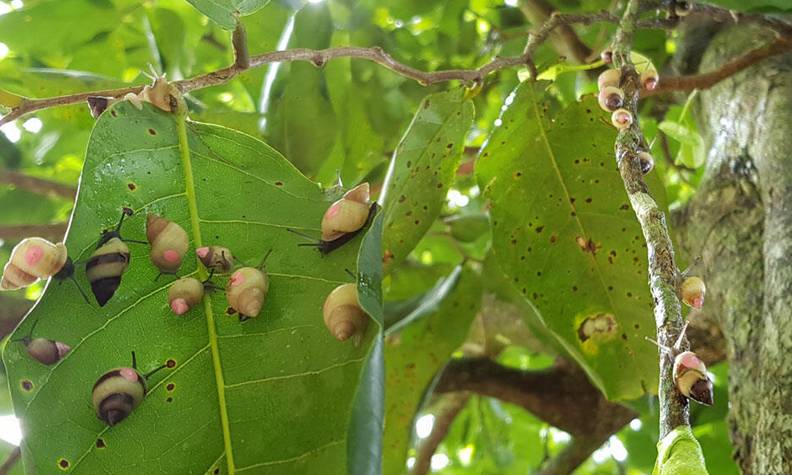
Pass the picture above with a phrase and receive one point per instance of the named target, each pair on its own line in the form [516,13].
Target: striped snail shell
[32,259]
[46,351]
[690,376]
[348,214]
[105,268]
[184,294]
[117,393]
[246,290]
[169,242]
[216,258]
[343,315]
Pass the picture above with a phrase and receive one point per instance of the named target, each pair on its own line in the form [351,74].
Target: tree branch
[575,453]
[781,45]
[565,39]
[36,185]
[53,232]
[450,406]
[663,273]
[239,41]
[562,396]
[10,461]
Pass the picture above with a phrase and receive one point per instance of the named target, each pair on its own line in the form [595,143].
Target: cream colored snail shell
[169,242]
[117,393]
[32,259]
[621,118]
[610,98]
[184,294]
[46,351]
[693,291]
[347,214]
[216,258]
[690,376]
[610,77]
[246,290]
[343,315]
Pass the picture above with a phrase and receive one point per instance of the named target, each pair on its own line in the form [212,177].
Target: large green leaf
[417,348]
[564,233]
[422,170]
[275,394]
[226,12]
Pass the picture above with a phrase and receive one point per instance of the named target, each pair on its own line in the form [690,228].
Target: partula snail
[246,290]
[35,258]
[169,242]
[690,373]
[646,162]
[216,258]
[343,315]
[119,391]
[344,219]
[44,350]
[108,262]
[692,291]
[184,294]
[161,94]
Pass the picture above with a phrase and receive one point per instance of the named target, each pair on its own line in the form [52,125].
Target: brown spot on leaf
[100,444]
[597,326]
[587,245]
[131,186]
[152,132]
[63,464]
[27,385]
[171,363]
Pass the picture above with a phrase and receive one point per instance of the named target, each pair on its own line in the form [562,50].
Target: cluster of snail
[611,97]
[119,391]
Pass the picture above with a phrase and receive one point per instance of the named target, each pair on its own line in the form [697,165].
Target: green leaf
[555,70]
[692,151]
[226,12]
[277,392]
[679,453]
[417,348]
[565,235]
[9,100]
[422,170]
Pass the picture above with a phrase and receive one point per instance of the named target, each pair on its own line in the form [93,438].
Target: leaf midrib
[189,184]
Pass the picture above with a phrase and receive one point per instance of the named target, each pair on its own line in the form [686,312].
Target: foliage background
[350,116]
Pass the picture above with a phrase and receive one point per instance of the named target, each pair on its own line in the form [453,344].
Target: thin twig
[450,407]
[36,185]
[239,41]
[10,461]
[53,232]
[663,272]
[781,45]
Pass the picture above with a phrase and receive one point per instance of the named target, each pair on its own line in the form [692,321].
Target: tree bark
[740,223]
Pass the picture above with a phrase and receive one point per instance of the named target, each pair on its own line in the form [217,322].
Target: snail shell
[216,258]
[32,259]
[693,291]
[105,268]
[117,393]
[169,242]
[343,315]
[247,288]
[184,294]
[46,351]
[690,375]
[348,214]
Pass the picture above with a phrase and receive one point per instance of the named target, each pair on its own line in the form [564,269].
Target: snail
[44,350]
[169,242]
[610,98]
[108,262]
[344,219]
[692,291]
[621,118]
[646,162]
[160,93]
[36,258]
[119,391]
[216,258]
[690,373]
[343,315]
[246,290]
[609,78]
[184,294]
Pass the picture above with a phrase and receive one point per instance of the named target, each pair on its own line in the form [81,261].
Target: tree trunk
[740,223]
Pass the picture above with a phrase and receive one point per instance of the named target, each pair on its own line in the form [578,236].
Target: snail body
[169,242]
[184,294]
[216,258]
[343,315]
[35,258]
[246,290]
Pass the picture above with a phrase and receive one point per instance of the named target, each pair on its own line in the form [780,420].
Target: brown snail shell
[690,375]
[46,351]
[246,290]
[32,259]
[184,294]
[348,214]
[216,258]
[169,242]
[693,291]
[343,315]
